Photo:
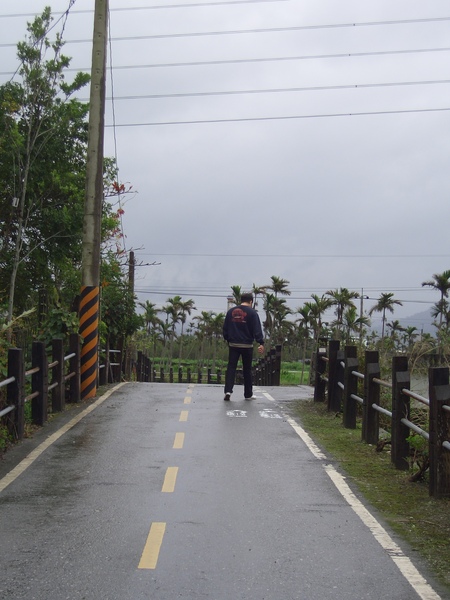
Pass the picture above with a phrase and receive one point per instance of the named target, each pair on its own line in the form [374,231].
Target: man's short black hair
[247,297]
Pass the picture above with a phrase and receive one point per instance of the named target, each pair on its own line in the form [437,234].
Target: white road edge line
[420,585]
[34,454]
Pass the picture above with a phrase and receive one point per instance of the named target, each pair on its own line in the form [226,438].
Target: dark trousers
[233,359]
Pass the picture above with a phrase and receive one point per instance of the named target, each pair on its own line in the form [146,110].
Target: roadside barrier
[32,384]
[343,387]
[266,371]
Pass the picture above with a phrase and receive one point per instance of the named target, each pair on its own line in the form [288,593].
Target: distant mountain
[423,321]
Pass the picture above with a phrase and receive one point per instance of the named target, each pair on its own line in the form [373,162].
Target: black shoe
[227,396]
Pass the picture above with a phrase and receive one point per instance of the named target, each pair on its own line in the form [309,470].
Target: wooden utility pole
[90,270]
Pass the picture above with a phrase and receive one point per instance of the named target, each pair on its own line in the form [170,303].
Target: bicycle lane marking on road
[420,585]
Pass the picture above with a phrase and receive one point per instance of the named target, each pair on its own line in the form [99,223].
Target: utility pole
[90,269]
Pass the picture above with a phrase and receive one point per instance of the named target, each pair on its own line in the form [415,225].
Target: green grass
[291,373]
[422,521]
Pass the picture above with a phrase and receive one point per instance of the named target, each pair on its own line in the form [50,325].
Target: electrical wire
[287,118]
[279,90]
[164,7]
[264,59]
[261,30]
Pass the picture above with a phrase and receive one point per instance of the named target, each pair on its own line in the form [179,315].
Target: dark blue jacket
[242,327]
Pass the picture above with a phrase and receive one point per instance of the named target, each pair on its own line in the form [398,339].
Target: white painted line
[420,585]
[29,460]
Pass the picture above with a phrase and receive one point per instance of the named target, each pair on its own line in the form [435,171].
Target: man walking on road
[240,329]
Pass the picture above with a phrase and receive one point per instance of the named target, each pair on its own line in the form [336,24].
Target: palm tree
[173,311]
[204,329]
[304,327]
[442,310]
[395,328]
[185,309]
[410,333]
[353,323]
[258,291]
[279,286]
[151,320]
[237,291]
[317,309]
[385,302]
[441,283]
[341,299]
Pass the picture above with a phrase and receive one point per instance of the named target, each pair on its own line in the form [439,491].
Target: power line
[263,59]
[279,90]
[296,255]
[262,30]
[287,118]
[164,7]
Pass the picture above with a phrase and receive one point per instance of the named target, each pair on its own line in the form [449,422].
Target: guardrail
[338,381]
[57,380]
[266,371]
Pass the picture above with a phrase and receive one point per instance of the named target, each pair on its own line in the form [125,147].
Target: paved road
[164,491]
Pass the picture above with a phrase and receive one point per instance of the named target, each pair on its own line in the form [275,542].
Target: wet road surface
[165,491]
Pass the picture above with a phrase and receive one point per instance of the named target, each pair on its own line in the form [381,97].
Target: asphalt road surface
[165,491]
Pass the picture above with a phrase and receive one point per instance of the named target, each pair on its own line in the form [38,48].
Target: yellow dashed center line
[170,479]
[149,558]
[184,415]
[179,441]
[187,400]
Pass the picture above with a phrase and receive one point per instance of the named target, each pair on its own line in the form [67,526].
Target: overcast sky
[304,139]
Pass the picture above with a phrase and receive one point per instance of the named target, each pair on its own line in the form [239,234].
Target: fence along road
[164,491]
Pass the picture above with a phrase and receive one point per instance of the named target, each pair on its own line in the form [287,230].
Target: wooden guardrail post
[39,383]
[15,392]
[277,365]
[371,419]
[400,410]
[75,368]
[350,387]
[439,392]
[334,401]
[320,368]
[58,395]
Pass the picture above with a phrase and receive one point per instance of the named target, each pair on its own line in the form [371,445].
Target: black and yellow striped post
[89,312]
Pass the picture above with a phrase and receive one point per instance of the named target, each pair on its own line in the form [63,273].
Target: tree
[352,322]
[43,140]
[258,290]
[441,283]
[279,286]
[385,302]
[304,322]
[342,299]
[173,311]
[151,320]
[185,309]
[395,328]
[317,309]
[237,291]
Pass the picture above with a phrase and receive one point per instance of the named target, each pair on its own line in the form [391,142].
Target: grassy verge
[422,521]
